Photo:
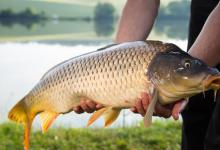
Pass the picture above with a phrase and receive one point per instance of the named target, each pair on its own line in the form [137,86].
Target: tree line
[104,17]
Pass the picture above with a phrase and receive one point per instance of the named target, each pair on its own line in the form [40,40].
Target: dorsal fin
[108,46]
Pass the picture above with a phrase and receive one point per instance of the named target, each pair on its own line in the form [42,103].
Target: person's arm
[137,20]
[207,45]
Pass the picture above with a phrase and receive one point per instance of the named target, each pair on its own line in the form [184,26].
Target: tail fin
[19,114]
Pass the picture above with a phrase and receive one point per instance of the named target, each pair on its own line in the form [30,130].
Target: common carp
[115,76]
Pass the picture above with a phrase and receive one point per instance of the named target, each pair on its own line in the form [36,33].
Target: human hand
[88,106]
[140,107]
[165,111]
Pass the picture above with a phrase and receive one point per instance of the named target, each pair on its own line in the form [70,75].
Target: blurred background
[37,34]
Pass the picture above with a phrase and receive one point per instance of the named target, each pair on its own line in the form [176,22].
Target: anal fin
[47,118]
[110,115]
[96,115]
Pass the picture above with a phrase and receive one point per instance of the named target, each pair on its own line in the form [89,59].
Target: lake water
[22,64]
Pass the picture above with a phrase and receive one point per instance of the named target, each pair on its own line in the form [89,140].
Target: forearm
[207,45]
[137,20]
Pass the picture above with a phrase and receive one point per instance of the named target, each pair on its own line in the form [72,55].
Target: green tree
[6,13]
[175,10]
[104,11]
[104,19]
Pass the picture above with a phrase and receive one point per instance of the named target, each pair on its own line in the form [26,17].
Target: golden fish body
[114,76]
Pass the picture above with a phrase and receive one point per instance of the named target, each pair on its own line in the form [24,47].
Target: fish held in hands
[115,76]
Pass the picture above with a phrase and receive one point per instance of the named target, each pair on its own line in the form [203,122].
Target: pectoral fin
[150,110]
[47,119]
[110,115]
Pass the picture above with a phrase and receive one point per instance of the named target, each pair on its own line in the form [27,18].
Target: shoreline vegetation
[161,135]
[53,21]
[104,18]
[102,12]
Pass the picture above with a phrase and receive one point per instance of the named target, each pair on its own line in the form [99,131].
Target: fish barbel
[115,76]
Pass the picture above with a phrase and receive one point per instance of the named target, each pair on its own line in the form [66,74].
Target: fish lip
[212,82]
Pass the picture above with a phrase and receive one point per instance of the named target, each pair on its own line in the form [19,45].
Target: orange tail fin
[19,114]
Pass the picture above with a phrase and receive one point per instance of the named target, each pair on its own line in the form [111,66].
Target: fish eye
[198,62]
[187,64]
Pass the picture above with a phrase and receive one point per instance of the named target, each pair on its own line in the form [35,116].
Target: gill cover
[178,75]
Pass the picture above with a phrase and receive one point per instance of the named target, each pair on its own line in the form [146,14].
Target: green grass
[160,136]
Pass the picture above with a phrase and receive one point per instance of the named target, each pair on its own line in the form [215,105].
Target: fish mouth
[212,82]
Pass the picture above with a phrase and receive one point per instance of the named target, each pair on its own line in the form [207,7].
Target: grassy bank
[160,136]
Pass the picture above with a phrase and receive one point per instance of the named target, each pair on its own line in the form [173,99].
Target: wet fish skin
[119,69]
[114,76]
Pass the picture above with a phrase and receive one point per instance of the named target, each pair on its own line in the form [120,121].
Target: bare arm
[207,45]
[137,20]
